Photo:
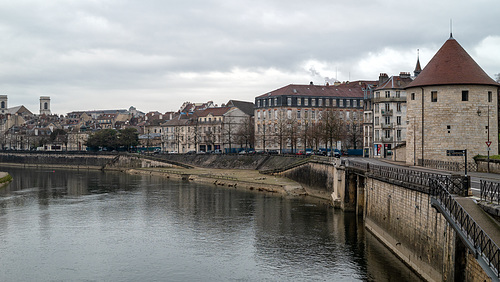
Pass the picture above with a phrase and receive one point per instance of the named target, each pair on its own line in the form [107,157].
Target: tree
[59,136]
[104,138]
[246,132]
[128,138]
[497,77]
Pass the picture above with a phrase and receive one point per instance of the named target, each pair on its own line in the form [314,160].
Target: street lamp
[488,143]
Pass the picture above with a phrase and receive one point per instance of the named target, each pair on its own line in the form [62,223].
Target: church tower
[3,104]
[44,105]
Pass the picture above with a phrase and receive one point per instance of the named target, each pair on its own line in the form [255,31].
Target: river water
[78,225]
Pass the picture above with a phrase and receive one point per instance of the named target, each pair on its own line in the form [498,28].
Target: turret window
[465,95]
[434,96]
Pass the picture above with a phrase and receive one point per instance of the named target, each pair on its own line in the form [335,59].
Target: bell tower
[44,105]
[3,104]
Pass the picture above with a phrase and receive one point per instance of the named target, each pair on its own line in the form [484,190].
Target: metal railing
[478,240]
[490,191]
[455,184]
[446,165]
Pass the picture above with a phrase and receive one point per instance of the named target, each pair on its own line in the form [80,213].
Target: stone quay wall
[404,220]
[60,159]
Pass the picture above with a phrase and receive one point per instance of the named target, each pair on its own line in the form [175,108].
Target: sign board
[488,143]
[455,153]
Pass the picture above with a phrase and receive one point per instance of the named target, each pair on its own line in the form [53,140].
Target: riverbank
[229,178]
[5,178]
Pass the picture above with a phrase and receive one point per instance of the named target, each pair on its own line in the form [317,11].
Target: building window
[398,120]
[354,103]
[341,103]
[264,103]
[387,133]
[289,101]
[258,103]
[298,114]
[270,101]
[398,94]
[276,101]
[376,120]
[413,96]
[299,102]
[434,96]
[306,114]
[320,102]
[387,120]
[377,94]
[377,135]
[387,94]
[398,107]
[258,115]
[313,102]
[327,102]
[490,97]
[263,115]
[334,102]
[313,115]
[347,103]
[465,95]
[376,108]
[398,134]
[275,114]
[289,114]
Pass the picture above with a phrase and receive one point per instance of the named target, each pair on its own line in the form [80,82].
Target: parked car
[191,152]
[217,151]
[272,152]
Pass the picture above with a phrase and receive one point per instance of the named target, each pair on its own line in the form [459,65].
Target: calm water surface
[69,225]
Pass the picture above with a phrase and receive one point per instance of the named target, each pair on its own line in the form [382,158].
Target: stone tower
[44,105]
[451,105]
[3,104]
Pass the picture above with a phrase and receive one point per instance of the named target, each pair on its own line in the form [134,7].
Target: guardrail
[455,184]
[490,191]
[446,165]
[486,251]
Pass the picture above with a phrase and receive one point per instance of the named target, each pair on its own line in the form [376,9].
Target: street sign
[488,143]
[455,153]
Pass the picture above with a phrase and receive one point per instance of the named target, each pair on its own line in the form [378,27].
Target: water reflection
[89,225]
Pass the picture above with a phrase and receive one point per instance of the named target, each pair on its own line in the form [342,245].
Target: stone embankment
[5,178]
[233,171]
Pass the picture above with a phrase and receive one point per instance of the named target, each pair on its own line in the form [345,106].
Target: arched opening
[45,106]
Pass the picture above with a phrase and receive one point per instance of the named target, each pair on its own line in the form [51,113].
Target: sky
[156,54]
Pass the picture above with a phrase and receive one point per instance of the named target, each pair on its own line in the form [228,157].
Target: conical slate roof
[452,65]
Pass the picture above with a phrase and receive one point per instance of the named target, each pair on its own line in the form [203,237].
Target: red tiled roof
[395,82]
[352,89]
[214,111]
[452,65]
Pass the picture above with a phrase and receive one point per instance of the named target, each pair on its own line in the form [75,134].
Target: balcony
[391,99]
[386,113]
[387,125]
[386,139]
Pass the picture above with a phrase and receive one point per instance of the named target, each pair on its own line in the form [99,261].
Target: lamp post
[488,143]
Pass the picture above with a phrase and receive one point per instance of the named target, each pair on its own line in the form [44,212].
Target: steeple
[418,69]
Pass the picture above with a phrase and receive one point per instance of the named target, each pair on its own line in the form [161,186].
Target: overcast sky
[156,54]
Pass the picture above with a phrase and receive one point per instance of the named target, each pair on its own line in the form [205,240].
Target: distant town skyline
[91,55]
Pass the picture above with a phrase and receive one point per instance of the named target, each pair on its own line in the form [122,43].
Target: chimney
[383,77]
[404,74]
[311,83]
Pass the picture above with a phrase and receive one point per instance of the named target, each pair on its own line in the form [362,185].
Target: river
[79,225]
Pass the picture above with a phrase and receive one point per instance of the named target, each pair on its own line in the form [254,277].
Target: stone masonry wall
[450,123]
[404,220]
